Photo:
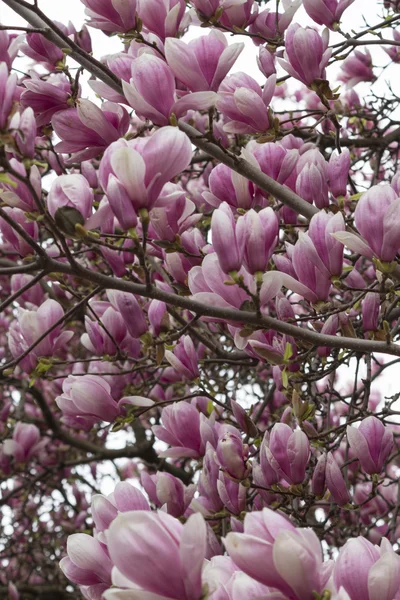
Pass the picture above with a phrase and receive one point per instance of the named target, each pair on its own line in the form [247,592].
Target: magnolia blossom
[151,92]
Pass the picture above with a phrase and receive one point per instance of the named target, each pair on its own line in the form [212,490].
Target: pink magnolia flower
[226,582]
[46,97]
[372,443]
[232,455]
[25,442]
[370,311]
[226,185]
[23,126]
[12,237]
[154,552]
[88,563]
[184,358]
[8,85]
[266,62]
[151,92]
[124,498]
[393,51]
[288,452]
[34,295]
[367,572]
[227,239]
[326,12]
[18,194]
[173,213]
[112,15]
[203,63]
[9,47]
[377,219]
[133,177]
[165,18]
[32,324]
[244,105]
[272,25]
[335,481]
[106,337]
[207,284]
[168,492]
[130,310]
[238,13]
[356,68]
[260,233]
[41,50]
[306,53]
[329,250]
[88,130]
[338,172]
[88,396]
[294,556]
[73,191]
[185,429]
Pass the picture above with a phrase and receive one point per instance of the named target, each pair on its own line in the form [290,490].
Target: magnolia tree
[200,280]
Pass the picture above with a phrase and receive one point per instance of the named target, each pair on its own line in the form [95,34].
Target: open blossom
[203,63]
[244,105]
[226,185]
[32,324]
[238,13]
[25,442]
[184,358]
[368,572]
[207,284]
[87,563]
[106,337]
[306,53]
[133,177]
[40,49]
[46,97]
[293,556]
[124,498]
[165,18]
[376,216]
[87,130]
[372,443]
[272,25]
[13,238]
[326,12]
[88,396]
[288,452]
[232,455]
[168,492]
[151,92]
[18,194]
[154,553]
[111,15]
[185,429]
[356,68]
[72,191]
[173,213]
